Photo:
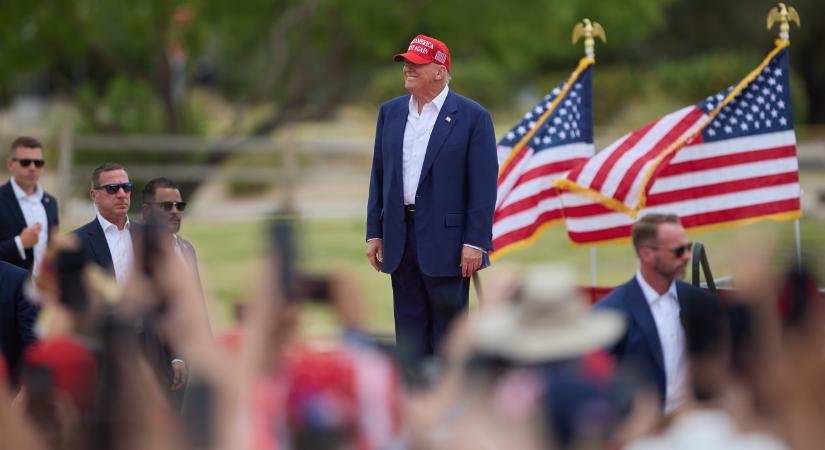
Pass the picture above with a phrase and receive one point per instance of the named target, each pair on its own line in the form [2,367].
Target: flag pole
[784,15]
[592,266]
[798,240]
[588,30]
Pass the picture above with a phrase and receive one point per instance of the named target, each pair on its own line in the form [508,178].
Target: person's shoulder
[6,191]
[615,298]
[49,197]
[82,230]
[695,292]
[186,243]
[402,100]
[468,103]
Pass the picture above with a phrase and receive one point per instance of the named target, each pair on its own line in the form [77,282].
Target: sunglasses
[678,251]
[167,206]
[114,188]
[25,162]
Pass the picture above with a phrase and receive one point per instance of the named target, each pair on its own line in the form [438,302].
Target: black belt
[409,213]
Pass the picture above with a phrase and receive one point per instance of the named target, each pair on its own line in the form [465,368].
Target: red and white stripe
[527,198]
[619,171]
[705,184]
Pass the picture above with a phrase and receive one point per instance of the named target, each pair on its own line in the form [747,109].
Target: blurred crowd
[528,369]
[125,358]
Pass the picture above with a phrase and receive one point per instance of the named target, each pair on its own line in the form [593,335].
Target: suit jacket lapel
[441,130]
[99,245]
[641,314]
[13,205]
[49,204]
[398,124]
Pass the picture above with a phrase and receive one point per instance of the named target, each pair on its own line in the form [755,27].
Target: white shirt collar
[438,101]
[20,193]
[650,294]
[105,224]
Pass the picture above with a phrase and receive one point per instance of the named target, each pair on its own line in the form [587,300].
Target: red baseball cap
[424,50]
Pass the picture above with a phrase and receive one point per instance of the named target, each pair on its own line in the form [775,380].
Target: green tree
[115,59]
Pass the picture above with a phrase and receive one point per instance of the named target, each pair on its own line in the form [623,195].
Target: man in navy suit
[29,214]
[431,199]
[17,317]
[109,242]
[655,303]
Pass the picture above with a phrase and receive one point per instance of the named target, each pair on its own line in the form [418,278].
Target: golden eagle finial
[783,14]
[588,29]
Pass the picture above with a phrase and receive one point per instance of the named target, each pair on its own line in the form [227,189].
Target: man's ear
[645,253]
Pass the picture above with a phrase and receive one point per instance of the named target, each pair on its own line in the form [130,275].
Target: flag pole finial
[784,15]
[588,30]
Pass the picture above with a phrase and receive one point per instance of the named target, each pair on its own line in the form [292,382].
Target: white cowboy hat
[548,320]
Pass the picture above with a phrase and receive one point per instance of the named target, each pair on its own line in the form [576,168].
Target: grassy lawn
[228,253]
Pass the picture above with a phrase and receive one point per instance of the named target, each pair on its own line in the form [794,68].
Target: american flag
[730,159]
[553,137]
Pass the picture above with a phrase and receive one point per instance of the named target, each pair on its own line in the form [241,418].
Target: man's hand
[375,253]
[470,260]
[179,374]
[30,235]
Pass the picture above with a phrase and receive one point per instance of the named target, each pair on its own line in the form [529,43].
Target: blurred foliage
[116,60]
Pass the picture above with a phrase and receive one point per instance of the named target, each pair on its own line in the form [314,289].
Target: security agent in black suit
[109,242]
[29,214]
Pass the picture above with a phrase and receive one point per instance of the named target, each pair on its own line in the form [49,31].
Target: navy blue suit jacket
[640,346]
[12,223]
[456,192]
[94,243]
[17,316]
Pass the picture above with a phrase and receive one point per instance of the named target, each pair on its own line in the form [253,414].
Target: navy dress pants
[424,307]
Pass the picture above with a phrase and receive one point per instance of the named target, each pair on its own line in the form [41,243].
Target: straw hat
[548,320]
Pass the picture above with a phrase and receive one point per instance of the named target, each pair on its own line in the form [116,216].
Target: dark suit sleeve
[25,313]
[482,175]
[375,204]
[9,252]
[612,302]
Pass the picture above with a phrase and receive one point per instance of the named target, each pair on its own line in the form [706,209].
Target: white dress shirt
[416,138]
[665,310]
[34,212]
[120,247]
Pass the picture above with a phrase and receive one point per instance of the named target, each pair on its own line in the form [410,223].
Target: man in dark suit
[431,199]
[108,241]
[654,302]
[162,199]
[17,317]
[29,214]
